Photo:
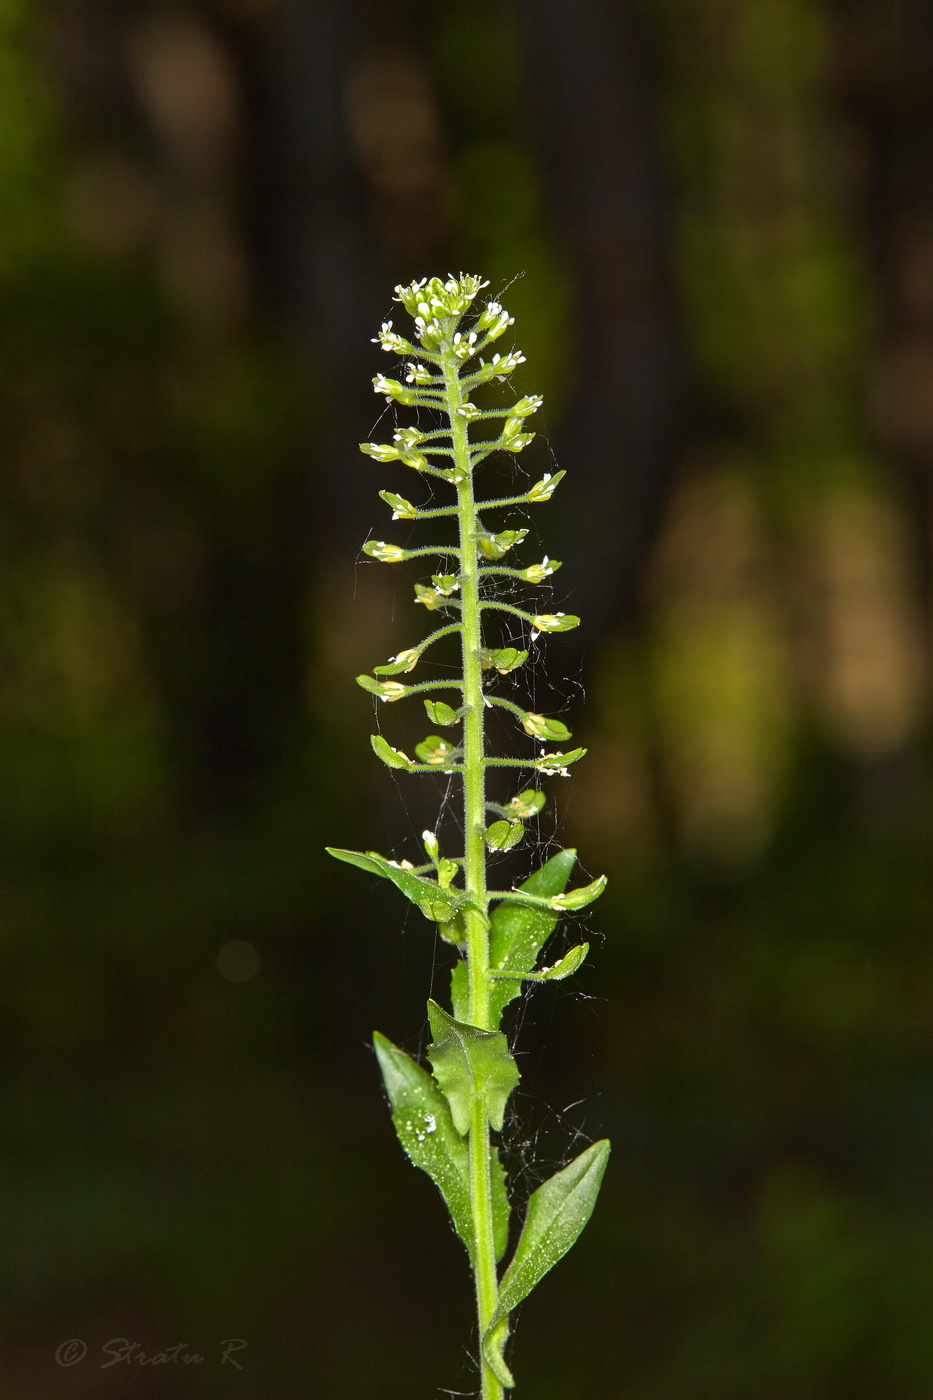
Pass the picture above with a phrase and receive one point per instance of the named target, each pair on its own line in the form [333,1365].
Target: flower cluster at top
[438,308]
[436,305]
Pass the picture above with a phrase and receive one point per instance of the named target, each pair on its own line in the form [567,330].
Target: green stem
[477,924]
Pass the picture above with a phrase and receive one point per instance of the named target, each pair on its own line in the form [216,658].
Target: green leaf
[502,836]
[392,758]
[500,1202]
[425,1129]
[414,887]
[518,933]
[469,1064]
[439,713]
[557,1212]
[437,910]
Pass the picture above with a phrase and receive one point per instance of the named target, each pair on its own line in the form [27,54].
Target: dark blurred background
[717,219]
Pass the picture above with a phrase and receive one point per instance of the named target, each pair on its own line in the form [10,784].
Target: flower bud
[401,509]
[558,762]
[539,727]
[383,690]
[382,451]
[392,758]
[496,546]
[526,804]
[436,751]
[387,553]
[431,844]
[391,341]
[405,661]
[554,622]
[428,597]
[537,573]
[464,346]
[543,490]
[502,659]
[392,390]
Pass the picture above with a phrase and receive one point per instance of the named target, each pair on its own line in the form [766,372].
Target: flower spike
[444,1119]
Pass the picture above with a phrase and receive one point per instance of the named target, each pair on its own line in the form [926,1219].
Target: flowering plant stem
[445,1120]
[474,801]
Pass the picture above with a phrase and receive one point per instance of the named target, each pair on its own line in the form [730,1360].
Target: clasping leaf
[425,1129]
[519,932]
[469,1064]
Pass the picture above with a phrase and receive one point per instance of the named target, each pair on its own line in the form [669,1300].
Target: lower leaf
[557,1213]
[423,1124]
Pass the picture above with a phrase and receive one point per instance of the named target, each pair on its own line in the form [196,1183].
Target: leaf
[518,935]
[437,910]
[502,836]
[414,887]
[440,713]
[422,1120]
[470,1063]
[500,1202]
[556,1214]
[392,758]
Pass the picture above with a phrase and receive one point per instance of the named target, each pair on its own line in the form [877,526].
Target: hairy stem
[477,924]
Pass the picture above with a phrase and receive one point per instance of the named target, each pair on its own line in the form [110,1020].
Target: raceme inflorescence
[445,1119]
